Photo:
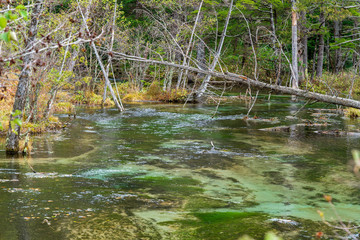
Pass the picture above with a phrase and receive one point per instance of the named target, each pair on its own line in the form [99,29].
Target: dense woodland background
[56,54]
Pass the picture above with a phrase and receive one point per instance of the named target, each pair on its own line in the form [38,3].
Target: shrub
[78,97]
[154,90]
[174,95]
[136,96]
[92,98]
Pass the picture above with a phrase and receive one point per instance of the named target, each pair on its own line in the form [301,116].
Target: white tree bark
[118,102]
[254,83]
[189,46]
[295,76]
[205,83]
[111,48]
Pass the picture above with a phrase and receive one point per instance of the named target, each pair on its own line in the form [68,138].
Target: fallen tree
[250,82]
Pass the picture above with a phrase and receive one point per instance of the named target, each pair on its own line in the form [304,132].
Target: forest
[179,119]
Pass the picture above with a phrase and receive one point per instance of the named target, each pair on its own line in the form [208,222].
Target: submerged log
[250,82]
[276,129]
[338,133]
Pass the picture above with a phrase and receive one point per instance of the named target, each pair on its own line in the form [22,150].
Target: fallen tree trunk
[252,83]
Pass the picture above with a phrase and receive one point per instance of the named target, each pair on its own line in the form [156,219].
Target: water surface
[164,171]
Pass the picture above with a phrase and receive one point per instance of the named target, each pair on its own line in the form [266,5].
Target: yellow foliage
[109,102]
[154,90]
[62,96]
[131,97]
[53,119]
[63,107]
[25,147]
[352,113]
[174,95]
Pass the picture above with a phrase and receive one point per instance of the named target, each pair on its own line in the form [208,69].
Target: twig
[253,103]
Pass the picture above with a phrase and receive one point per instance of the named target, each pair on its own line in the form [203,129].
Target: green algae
[202,202]
[216,217]
[103,226]
[234,225]
[222,225]
[157,170]
[166,185]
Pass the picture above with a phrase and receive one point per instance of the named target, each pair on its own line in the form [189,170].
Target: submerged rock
[284,221]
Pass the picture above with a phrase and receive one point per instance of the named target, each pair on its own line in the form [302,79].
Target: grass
[340,83]
[352,113]
[153,92]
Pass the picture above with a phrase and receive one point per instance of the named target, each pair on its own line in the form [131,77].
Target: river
[165,171]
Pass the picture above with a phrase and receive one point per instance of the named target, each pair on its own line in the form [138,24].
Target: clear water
[152,173]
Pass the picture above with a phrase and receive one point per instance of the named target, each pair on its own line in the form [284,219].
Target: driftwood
[250,82]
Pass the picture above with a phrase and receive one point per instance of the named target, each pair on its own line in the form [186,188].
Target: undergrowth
[352,113]
[152,93]
[341,84]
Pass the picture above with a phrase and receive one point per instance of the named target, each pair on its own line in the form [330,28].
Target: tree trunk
[338,62]
[109,58]
[295,73]
[277,62]
[250,82]
[12,143]
[117,101]
[34,117]
[50,103]
[200,54]
[355,56]
[205,83]
[320,60]
[302,45]
[189,46]
[313,72]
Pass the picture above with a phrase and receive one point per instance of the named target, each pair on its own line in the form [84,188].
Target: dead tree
[248,81]
[205,83]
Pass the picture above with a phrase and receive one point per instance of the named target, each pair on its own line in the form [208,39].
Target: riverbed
[168,171]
